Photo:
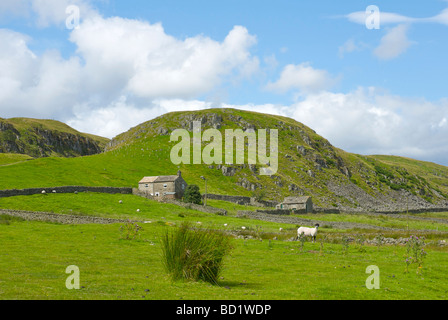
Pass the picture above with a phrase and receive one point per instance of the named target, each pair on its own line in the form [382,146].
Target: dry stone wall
[67,189]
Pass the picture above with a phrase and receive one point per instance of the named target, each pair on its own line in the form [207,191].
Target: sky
[371,82]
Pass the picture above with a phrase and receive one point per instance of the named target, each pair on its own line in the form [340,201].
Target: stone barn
[168,187]
[300,204]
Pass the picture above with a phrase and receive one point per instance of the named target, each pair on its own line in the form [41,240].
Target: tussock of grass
[194,254]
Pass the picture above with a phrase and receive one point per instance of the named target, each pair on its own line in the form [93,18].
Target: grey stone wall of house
[179,187]
[162,187]
[146,187]
[66,189]
[170,188]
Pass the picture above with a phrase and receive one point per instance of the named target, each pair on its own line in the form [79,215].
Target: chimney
[179,174]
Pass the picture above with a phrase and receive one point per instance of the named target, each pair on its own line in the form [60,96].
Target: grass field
[263,264]
[35,255]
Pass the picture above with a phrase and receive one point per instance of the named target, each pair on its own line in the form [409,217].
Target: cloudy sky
[369,85]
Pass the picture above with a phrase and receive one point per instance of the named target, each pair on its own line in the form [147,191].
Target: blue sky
[369,91]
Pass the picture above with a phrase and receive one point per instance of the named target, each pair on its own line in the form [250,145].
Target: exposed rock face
[39,142]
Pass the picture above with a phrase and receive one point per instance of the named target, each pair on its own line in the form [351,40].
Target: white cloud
[394,43]
[395,18]
[53,12]
[139,57]
[118,59]
[122,114]
[14,7]
[34,86]
[385,18]
[46,12]
[441,18]
[302,77]
[368,121]
[350,46]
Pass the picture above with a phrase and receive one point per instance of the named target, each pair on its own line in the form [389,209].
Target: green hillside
[308,165]
[44,138]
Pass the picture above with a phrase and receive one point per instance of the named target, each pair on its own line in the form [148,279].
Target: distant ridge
[45,138]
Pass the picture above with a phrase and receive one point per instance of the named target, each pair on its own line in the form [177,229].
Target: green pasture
[34,256]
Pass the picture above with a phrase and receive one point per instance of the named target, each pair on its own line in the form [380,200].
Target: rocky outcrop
[38,141]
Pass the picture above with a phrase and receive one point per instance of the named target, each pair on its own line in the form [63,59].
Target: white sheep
[311,232]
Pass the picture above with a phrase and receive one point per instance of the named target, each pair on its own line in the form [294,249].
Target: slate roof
[157,179]
[291,200]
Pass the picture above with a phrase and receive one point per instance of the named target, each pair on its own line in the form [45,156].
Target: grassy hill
[45,138]
[308,165]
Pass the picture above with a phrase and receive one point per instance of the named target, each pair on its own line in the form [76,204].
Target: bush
[192,194]
[194,254]
[130,230]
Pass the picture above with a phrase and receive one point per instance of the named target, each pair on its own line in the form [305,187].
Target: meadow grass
[35,255]
[11,158]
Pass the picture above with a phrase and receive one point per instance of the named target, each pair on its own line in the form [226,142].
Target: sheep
[308,231]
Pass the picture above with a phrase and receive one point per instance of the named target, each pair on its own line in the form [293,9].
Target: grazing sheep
[44,192]
[311,232]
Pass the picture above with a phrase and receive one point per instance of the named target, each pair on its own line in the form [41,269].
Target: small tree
[192,194]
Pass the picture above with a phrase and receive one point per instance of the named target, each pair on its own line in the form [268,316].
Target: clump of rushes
[194,254]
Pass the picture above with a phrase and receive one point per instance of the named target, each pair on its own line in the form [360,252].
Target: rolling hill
[308,165]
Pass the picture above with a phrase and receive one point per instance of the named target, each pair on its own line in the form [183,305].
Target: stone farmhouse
[167,187]
[302,204]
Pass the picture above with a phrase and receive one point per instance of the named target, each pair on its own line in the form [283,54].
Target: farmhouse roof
[166,178]
[289,200]
[156,179]
[148,179]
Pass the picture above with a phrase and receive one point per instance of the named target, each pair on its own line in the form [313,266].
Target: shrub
[194,254]
[415,252]
[130,230]
[192,194]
